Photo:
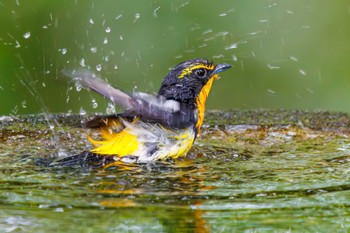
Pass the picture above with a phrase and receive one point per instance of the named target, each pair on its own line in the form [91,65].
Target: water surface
[242,177]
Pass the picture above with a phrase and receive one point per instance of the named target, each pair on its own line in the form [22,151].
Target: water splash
[293,58]
[232,46]
[78,87]
[17,45]
[26,35]
[110,108]
[302,72]
[82,62]
[94,104]
[24,104]
[63,51]
[118,17]
[155,11]
[207,31]
[273,67]
[137,16]
[271,91]
[93,49]
[82,111]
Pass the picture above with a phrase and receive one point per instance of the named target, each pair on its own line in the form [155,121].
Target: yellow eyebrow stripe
[189,69]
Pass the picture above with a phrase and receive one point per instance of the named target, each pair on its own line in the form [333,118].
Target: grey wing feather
[149,107]
[89,80]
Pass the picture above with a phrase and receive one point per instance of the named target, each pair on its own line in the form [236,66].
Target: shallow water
[239,177]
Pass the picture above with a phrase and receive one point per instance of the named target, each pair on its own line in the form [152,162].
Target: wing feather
[149,108]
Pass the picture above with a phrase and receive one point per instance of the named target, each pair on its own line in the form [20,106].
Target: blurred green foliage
[286,54]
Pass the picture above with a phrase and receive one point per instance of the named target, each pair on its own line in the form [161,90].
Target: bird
[157,126]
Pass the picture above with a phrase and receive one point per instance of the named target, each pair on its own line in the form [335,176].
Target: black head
[185,81]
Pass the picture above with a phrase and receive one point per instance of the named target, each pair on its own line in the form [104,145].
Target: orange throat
[201,99]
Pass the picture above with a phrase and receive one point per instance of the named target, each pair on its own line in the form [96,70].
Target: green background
[286,54]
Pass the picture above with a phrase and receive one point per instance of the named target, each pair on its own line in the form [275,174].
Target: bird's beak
[221,67]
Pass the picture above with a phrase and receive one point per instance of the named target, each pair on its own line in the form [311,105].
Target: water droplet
[82,62]
[15,109]
[155,11]
[24,104]
[63,51]
[110,108]
[207,31]
[234,58]
[98,67]
[137,16]
[121,37]
[115,67]
[67,100]
[91,21]
[232,46]
[43,84]
[78,87]
[302,72]
[17,45]
[94,104]
[221,33]
[59,209]
[293,58]
[82,111]
[263,20]
[254,33]
[26,35]
[118,17]
[105,41]
[93,49]
[271,91]
[272,67]
[218,56]
[108,29]
[62,153]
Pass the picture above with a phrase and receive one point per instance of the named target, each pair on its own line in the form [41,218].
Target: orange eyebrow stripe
[189,69]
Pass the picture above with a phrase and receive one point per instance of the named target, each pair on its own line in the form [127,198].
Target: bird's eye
[201,73]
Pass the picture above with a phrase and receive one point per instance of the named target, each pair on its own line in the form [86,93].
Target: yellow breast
[146,141]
